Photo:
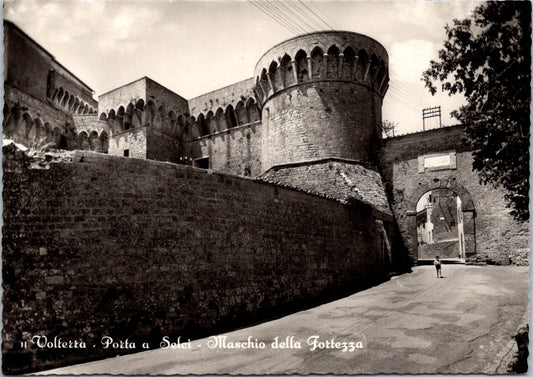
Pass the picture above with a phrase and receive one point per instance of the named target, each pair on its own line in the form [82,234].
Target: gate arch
[468,210]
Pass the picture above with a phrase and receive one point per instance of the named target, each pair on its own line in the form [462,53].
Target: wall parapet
[228,130]
[124,247]
[322,56]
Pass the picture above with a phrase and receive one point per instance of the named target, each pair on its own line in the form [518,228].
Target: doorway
[440,225]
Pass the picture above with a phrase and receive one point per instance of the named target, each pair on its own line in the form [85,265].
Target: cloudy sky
[193,47]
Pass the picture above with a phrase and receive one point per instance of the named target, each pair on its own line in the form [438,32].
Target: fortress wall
[134,140]
[45,124]
[90,122]
[61,79]
[335,178]
[37,108]
[122,96]
[409,146]
[166,97]
[236,151]
[29,77]
[223,97]
[347,181]
[32,78]
[497,234]
[318,120]
[140,249]
[161,146]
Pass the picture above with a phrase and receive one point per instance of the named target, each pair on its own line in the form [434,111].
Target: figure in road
[437,264]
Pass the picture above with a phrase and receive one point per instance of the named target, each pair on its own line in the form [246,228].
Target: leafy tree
[487,58]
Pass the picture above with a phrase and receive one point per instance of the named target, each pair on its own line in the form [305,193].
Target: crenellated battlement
[321,95]
[322,56]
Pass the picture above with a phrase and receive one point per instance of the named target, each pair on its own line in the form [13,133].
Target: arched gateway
[442,219]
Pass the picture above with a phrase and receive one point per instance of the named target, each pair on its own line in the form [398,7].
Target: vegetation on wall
[388,127]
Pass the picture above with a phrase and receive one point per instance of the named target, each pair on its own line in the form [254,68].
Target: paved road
[414,323]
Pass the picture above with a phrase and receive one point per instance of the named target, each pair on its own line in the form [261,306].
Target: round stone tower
[321,96]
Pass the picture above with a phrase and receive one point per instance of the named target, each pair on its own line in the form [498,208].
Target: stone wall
[490,231]
[30,78]
[90,122]
[161,146]
[122,96]
[33,122]
[234,151]
[335,178]
[41,95]
[223,97]
[346,181]
[319,120]
[133,140]
[138,249]
[35,71]
[226,128]
[444,249]
[165,97]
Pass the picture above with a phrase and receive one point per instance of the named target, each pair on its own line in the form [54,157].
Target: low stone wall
[137,250]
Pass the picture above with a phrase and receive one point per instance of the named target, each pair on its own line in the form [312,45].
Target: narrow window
[126,152]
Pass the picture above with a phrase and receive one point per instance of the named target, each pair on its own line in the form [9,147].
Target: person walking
[437,265]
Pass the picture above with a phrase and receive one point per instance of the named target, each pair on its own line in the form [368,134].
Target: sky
[194,47]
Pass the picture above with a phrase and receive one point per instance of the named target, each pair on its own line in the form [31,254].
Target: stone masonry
[145,213]
[132,248]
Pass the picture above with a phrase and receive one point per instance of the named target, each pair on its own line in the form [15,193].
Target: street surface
[414,323]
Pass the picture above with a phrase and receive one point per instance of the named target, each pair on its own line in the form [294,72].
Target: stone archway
[467,208]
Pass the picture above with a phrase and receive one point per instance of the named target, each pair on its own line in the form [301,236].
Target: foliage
[487,58]
[388,127]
